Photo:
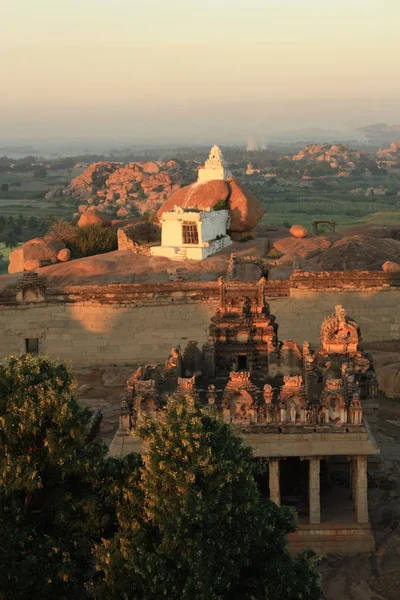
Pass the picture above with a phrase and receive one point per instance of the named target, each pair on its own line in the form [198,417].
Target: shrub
[220,205]
[94,239]
[274,253]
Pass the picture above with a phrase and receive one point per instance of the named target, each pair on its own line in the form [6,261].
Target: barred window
[190,235]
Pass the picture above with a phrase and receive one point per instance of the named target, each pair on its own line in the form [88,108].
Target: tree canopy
[193,524]
[50,484]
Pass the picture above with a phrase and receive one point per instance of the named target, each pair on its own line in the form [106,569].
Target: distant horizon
[178,71]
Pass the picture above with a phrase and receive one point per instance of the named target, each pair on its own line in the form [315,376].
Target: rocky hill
[391,153]
[128,189]
[338,156]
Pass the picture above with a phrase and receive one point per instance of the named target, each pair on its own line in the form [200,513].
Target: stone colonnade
[358,485]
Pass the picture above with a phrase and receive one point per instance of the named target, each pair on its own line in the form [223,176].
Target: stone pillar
[360,486]
[314,490]
[274,487]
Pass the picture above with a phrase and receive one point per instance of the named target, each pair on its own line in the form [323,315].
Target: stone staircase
[180,254]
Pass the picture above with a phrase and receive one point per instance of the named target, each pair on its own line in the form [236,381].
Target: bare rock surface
[123,266]
[305,247]
[357,252]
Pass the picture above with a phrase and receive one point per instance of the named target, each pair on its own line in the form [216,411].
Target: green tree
[193,524]
[39,172]
[51,478]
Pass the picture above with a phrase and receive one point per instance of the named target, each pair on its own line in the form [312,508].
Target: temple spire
[215,166]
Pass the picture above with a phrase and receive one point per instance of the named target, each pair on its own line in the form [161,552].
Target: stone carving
[339,333]
[30,288]
[173,364]
[328,393]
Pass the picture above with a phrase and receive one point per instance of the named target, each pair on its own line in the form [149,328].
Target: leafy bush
[274,253]
[220,205]
[94,239]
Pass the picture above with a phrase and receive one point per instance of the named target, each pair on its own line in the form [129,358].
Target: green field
[286,205]
[27,198]
[4,252]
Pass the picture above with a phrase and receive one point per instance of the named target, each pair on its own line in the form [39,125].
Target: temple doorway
[242,362]
[294,484]
[336,499]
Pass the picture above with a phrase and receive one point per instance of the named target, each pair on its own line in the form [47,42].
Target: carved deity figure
[211,394]
[340,333]
[267,393]
[173,364]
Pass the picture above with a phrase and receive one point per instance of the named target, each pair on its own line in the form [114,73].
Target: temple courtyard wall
[132,324]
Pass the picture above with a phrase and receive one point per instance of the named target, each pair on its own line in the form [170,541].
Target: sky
[186,70]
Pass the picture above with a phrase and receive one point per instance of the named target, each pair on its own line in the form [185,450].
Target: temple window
[32,346]
[190,234]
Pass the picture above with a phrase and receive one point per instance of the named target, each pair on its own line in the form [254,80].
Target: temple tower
[215,167]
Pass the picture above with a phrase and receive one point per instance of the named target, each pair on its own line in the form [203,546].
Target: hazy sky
[172,70]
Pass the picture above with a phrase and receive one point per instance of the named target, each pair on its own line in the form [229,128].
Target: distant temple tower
[215,167]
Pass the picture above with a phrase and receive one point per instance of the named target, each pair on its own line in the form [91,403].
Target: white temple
[192,234]
[215,167]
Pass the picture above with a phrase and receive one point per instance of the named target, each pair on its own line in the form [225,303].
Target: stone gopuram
[304,413]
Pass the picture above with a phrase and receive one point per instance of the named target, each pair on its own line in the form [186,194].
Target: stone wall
[131,324]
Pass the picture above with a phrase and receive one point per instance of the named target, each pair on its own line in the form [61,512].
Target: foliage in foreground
[51,484]
[192,523]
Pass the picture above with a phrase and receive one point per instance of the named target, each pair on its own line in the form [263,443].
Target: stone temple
[304,412]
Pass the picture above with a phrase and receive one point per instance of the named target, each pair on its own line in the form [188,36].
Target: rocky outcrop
[36,253]
[391,153]
[137,187]
[390,266]
[337,155]
[357,252]
[245,210]
[303,247]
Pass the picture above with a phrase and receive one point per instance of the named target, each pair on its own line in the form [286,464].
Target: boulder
[94,217]
[16,261]
[298,231]
[150,167]
[197,195]
[122,212]
[390,266]
[64,255]
[42,250]
[245,210]
[32,265]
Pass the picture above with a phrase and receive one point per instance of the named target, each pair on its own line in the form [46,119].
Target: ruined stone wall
[131,324]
